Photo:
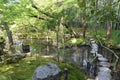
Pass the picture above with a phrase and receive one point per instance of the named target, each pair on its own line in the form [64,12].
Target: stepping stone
[90,79]
[92,42]
[102,59]
[95,45]
[93,51]
[105,64]
[104,69]
[103,76]
[99,55]
[91,39]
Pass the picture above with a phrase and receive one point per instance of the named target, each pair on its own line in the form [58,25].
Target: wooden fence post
[65,74]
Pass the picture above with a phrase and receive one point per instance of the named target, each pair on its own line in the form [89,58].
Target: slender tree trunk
[63,40]
[109,23]
[58,46]
[57,32]
[96,4]
[84,31]
[83,28]
[84,20]
[108,33]
[47,52]
[9,33]
[96,8]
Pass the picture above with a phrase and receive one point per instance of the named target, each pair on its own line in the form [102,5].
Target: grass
[25,69]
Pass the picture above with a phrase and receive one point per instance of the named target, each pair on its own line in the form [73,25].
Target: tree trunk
[84,31]
[84,19]
[47,52]
[9,33]
[83,28]
[96,8]
[57,35]
[109,22]
[108,34]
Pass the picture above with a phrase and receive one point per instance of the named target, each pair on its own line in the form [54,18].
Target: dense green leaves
[46,14]
[39,18]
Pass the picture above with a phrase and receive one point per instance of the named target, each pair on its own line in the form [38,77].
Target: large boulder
[48,72]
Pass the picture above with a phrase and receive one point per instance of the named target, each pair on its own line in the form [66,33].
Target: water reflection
[40,46]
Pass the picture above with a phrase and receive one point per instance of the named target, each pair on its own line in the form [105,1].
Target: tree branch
[38,17]
[45,13]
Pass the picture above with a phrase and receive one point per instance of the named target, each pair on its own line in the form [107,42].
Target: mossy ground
[101,35]
[24,69]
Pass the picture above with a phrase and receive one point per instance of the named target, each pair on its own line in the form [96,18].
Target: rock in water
[48,72]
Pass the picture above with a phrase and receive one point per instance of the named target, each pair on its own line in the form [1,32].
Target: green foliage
[101,35]
[115,40]
[105,12]
[2,77]
[70,10]
[82,3]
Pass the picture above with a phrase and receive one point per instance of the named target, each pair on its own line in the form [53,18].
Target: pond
[44,47]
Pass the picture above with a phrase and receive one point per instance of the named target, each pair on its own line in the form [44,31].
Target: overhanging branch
[45,13]
[38,17]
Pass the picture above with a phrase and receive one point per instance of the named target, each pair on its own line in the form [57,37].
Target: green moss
[76,41]
[25,69]
[2,77]
[101,35]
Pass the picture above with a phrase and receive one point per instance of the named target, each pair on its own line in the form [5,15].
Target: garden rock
[48,72]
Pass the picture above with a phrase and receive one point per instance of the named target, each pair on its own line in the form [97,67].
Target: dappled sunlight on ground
[48,56]
[24,69]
